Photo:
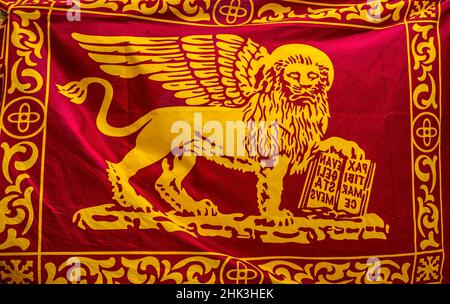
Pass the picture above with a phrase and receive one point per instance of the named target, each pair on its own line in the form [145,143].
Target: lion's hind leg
[148,150]
[169,186]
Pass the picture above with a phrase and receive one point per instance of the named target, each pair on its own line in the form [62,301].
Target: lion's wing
[202,69]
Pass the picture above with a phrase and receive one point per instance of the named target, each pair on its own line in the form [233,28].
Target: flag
[227,141]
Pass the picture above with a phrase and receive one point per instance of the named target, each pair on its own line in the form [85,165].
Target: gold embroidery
[387,271]
[146,270]
[283,271]
[16,271]
[28,39]
[424,54]
[372,13]
[22,118]
[428,215]
[15,206]
[423,9]
[429,269]
[426,133]
[184,9]
[233,12]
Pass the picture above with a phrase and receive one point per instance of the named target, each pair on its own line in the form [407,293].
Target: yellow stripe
[6,69]
[408,49]
[44,139]
[219,25]
[195,253]
[440,137]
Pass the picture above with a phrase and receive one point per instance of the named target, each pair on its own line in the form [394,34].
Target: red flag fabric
[224,141]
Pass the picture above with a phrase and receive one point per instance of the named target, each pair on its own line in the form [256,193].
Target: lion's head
[302,73]
[295,81]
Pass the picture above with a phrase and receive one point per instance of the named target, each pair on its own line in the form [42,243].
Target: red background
[369,104]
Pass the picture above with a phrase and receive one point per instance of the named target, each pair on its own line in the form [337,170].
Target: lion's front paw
[346,147]
[353,151]
[280,217]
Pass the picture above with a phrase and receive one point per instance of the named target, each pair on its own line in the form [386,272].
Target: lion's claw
[202,208]
[79,220]
[281,217]
[356,153]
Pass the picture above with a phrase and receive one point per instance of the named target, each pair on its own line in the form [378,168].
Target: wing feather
[217,70]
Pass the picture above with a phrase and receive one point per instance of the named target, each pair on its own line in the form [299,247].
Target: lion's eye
[293,75]
[312,75]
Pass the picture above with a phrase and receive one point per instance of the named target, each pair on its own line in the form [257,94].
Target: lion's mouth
[300,98]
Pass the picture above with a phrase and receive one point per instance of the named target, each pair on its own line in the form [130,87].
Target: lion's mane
[301,127]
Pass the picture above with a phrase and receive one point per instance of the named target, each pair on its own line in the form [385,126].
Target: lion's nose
[304,85]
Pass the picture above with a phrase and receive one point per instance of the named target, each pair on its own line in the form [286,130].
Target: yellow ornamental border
[22,111]
[194,269]
[23,132]
[376,14]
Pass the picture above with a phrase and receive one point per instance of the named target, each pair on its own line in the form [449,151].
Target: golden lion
[225,78]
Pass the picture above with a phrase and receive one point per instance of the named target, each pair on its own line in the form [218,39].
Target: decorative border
[426,96]
[23,134]
[18,270]
[21,257]
[22,122]
[369,14]
[198,268]
[374,14]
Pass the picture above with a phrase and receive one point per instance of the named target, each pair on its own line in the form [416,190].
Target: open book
[338,183]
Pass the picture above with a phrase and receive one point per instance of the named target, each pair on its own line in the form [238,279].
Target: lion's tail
[76,91]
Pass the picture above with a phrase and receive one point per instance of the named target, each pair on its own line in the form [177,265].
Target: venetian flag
[227,141]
